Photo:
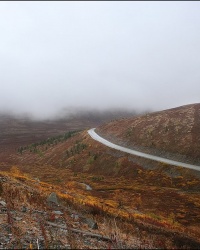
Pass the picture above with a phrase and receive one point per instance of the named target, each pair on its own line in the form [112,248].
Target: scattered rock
[87,187]
[40,212]
[3,203]
[90,222]
[88,243]
[57,212]
[3,179]
[24,209]
[18,218]
[3,210]
[75,216]
[52,198]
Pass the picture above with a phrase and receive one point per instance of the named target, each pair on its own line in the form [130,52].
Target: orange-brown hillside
[160,204]
[173,132]
[16,131]
[164,203]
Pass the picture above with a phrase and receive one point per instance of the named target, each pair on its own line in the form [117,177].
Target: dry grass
[162,201]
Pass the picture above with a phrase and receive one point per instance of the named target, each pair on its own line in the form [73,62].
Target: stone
[75,216]
[87,243]
[90,222]
[87,187]
[57,212]
[24,209]
[38,211]
[18,218]
[37,179]
[53,198]
[3,203]
[3,209]
[3,179]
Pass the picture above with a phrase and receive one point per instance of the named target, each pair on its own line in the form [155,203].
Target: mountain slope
[159,204]
[120,186]
[20,131]
[174,133]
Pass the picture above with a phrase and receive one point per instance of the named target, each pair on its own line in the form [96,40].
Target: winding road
[98,138]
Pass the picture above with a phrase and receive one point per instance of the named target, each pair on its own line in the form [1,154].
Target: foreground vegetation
[125,216]
[160,205]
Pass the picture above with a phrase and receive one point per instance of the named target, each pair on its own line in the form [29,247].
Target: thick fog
[134,55]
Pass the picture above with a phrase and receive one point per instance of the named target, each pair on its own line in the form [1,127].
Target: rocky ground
[134,203]
[28,220]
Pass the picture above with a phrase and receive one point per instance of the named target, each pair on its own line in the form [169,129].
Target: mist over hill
[120,67]
[22,129]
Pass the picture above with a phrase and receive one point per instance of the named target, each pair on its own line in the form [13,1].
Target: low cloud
[102,55]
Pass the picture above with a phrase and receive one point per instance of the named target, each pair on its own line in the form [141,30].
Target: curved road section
[98,138]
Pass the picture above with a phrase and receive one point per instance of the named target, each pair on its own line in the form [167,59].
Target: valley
[136,202]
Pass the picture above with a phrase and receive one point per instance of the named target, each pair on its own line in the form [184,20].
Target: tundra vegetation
[135,202]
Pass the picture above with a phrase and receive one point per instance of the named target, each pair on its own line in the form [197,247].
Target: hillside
[18,131]
[173,133]
[166,211]
[134,206]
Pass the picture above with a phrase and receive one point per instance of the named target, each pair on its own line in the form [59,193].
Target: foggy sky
[143,55]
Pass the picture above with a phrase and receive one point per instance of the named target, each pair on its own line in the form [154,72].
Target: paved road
[96,137]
